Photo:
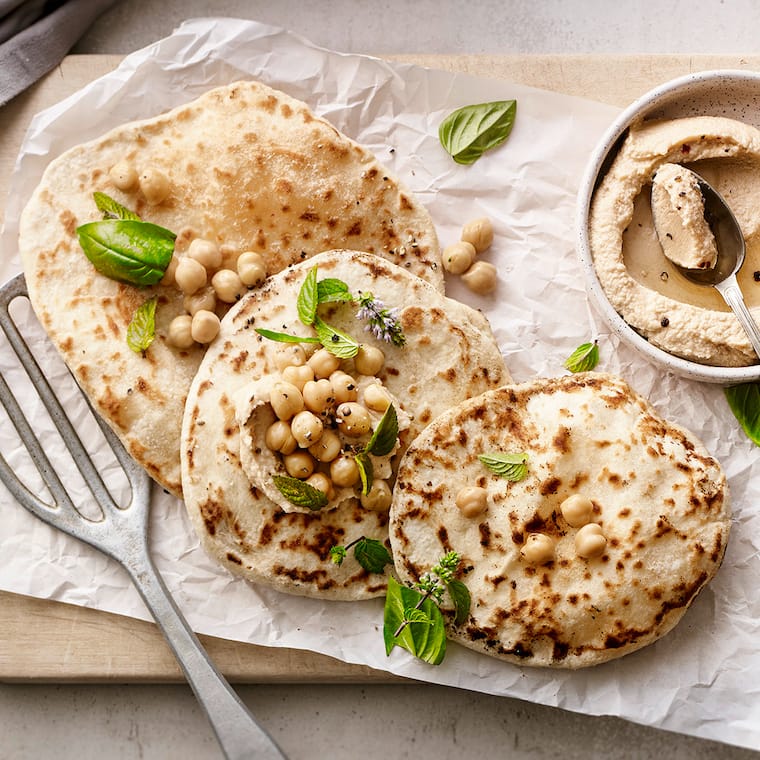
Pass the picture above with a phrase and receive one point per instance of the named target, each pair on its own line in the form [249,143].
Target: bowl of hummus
[641,221]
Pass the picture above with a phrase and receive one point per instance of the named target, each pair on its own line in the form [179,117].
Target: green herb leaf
[419,638]
[470,131]
[460,595]
[142,327]
[112,209]
[127,250]
[338,554]
[300,493]
[336,342]
[385,435]
[307,298]
[744,401]
[372,555]
[366,471]
[513,467]
[413,615]
[284,337]
[584,358]
[332,290]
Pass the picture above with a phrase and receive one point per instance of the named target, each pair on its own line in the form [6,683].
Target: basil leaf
[300,493]
[470,131]
[460,595]
[338,554]
[513,467]
[112,209]
[423,640]
[142,327]
[413,615]
[366,471]
[744,401]
[332,289]
[372,555]
[385,435]
[284,337]
[307,298]
[584,358]
[127,250]
[336,342]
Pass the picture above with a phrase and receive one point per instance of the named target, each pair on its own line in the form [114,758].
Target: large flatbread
[660,499]
[450,355]
[249,168]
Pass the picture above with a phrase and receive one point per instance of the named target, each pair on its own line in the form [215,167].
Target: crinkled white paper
[701,679]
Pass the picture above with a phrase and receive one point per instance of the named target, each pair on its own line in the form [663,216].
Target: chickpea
[376,397]
[124,176]
[306,428]
[379,497]
[180,335]
[344,387]
[472,501]
[290,355]
[317,394]
[299,376]
[171,269]
[480,278]
[154,185]
[538,549]
[369,360]
[201,299]
[479,233]
[323,363]
[205,252]
[228,285]
[251,268]
[354,419]
[205,326]
[280,438]
[327,448]
[190,275]
[577,510]
[286,400]
[321,482]
[299,464]
[590,542]
[458,258]
[344,471]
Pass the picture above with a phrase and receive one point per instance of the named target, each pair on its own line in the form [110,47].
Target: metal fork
[122,533]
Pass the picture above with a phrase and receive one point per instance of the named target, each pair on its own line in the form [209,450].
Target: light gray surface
[381,721]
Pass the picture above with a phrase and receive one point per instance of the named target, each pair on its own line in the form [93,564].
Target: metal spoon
[731,251]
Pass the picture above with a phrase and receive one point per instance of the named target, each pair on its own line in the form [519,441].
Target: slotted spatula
[122,533]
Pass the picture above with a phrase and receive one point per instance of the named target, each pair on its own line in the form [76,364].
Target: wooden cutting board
[49,641]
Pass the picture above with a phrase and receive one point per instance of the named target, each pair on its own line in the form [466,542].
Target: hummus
[642,284]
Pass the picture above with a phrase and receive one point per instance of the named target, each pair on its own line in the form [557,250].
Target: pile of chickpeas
[199,273]
[321,420]
[460,257]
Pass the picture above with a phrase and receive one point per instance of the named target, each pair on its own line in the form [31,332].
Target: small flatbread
[450,355]
[660,499]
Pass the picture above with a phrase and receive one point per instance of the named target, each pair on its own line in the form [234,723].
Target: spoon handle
[732,295]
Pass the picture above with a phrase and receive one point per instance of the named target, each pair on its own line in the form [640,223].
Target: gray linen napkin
[35,35]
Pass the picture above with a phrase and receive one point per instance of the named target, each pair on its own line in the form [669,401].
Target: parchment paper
[704,677]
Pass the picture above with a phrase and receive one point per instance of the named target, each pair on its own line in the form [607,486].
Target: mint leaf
[284,337]
[112,209]
[300,493]
[142,328]
[332,290]
[366,471]
[336,342]
[385,435]
[583,359]
[513,467]
[307,298]
[338,554]
[460,595]
[470,131]
[372,555]
[744,401]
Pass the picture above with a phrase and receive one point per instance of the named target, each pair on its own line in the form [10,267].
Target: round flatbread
[449,355]
[248,168]
[657,497]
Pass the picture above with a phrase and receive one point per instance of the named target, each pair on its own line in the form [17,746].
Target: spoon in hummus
[713,233]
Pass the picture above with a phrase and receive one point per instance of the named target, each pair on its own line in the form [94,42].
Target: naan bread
[450,355]
[660,499]
[249,168]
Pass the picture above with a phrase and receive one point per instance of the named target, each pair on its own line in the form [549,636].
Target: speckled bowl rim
[639,109]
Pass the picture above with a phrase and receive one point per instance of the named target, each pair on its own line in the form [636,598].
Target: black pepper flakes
[664,322]
[756,276]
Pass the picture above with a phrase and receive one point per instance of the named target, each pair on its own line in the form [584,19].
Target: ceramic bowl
[734,94]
